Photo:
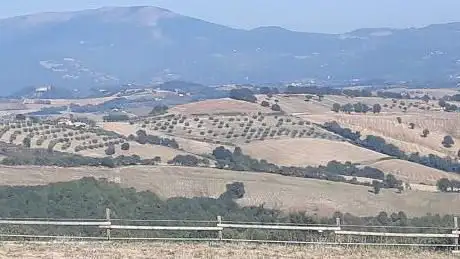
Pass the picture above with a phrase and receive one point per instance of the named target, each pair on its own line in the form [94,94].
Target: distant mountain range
[114,46]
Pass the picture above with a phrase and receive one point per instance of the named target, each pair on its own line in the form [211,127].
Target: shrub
[276,107]
[425,133]
[448,141]
[125,146]
[110,150]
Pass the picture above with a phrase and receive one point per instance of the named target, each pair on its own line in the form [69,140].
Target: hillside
[83,49]
[270,190]
[304,152]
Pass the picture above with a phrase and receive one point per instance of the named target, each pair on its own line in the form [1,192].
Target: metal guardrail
[336,230]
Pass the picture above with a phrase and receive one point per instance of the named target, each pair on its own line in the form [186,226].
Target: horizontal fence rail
[326,234]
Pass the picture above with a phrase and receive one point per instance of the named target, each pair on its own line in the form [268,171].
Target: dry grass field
[304,152]
[296,103]
[225,105]
[115,250]
[274,191]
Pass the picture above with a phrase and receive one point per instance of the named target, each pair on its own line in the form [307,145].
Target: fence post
[337,222]
[107,217]
[219,221]
[456,229]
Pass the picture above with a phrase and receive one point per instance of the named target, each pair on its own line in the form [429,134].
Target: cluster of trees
[143,138]
[356,107]
[158,110]
[49,110]
[452,98]
[189,160]
[117,103]
[17,155]
[275,107]
[333,171]
[243,94]
[379,144]
[393,95]
[88,198]
[446,185]
[447,106]
[357,92]
[269,90]
[67,160]
[114,117]
[313,90]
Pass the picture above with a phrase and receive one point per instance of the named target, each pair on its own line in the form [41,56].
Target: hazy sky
[302,15]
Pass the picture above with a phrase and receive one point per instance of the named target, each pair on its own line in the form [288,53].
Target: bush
[26,142]
[243,94]
[125,146]
[110,150]
[448,141]
[425,133]
[276,107]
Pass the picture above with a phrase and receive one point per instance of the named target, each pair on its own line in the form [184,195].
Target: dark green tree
[448,141]
[336,107]
[376,108]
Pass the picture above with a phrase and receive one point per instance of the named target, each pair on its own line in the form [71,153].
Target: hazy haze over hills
[116,45]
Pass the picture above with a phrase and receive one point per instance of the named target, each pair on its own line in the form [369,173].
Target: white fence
[337,232]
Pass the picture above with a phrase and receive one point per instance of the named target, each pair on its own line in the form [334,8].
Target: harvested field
[58,250]
[274,191]
[412,172]
[225,105]
[296,103]
[122,128]
[303,152]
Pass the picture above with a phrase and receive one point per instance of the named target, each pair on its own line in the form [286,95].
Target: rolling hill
[271,190]
[117,45]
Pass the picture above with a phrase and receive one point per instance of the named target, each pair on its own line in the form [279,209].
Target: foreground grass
[59,250]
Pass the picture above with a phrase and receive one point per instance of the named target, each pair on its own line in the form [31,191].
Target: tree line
[88,198]
[333,171]
[446,185]
[356,107]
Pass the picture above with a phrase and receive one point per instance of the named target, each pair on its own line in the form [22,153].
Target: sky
[331,16]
